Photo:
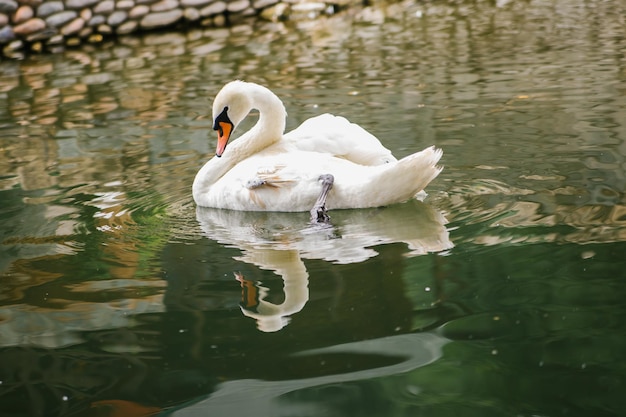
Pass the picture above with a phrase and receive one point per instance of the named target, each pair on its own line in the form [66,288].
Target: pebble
[237,5]
[125,5]
[156,20]
[8,6]
[96,20]
[86,14]
[308,7]
[6,34]
[262,4]
[44,24]
[79,4]
[105,29]
[73,27]
[213,9]
[29,27]
[164,5]
[104,7]
[49,7]
[46,33]
[85,32]
[95,38]
[138,11]
[36,47]
[14,46]
[61,18]
[55,40]
[194,3]
[191,13]
[117,18]
[127,27]
[276,12]
[22,14]
[219,20]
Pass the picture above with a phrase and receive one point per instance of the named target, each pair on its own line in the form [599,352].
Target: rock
[60,18]
[49,7]
[213,9]
[280,11]
[194,3]
[262,4]
[29,27]
[6,34]
[104,29]
[4,19]
[95,38]
[8,6]
[14,46]
[219,21]
[237,5]
[85,32]
[104,7]
[44,34]
[22,14]
[127,27]
[117,18]
[55,40]
[125,5]
[86,14]
[164,5]
[54,49]
[192,14]
[36,47]
[96,20]
[308,7]
[79,4]
[73,27]
[138,11]
[156,20]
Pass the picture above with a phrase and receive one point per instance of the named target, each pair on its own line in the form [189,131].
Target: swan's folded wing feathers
[269,176]
[338,136]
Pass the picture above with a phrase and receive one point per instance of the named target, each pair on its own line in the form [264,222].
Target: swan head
[232,104]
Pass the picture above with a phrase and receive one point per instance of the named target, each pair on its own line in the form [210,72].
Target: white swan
[264,170]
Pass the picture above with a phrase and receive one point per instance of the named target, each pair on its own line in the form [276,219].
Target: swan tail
[401,181]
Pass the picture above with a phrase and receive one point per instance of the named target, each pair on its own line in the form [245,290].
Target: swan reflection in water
[280,241]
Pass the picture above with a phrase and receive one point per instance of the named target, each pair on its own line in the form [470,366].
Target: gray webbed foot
[319,214]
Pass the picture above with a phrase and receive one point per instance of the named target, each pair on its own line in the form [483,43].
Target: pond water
[501,294]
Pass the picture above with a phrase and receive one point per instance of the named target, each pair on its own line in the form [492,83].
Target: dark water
[501,294]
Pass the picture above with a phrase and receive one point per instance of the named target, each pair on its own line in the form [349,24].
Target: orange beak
[223,134]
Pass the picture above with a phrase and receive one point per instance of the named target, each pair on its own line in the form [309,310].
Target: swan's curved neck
[268,130]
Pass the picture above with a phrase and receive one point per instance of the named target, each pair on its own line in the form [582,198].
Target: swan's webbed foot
[319,214]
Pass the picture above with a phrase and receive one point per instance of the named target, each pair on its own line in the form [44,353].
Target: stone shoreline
[51,25]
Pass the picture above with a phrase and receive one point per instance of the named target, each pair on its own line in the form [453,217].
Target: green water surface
[501,294]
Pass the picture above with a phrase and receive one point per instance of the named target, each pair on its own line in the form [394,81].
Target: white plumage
[266,170]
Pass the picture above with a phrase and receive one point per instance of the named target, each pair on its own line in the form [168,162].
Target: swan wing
[337,136]
[271,182]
